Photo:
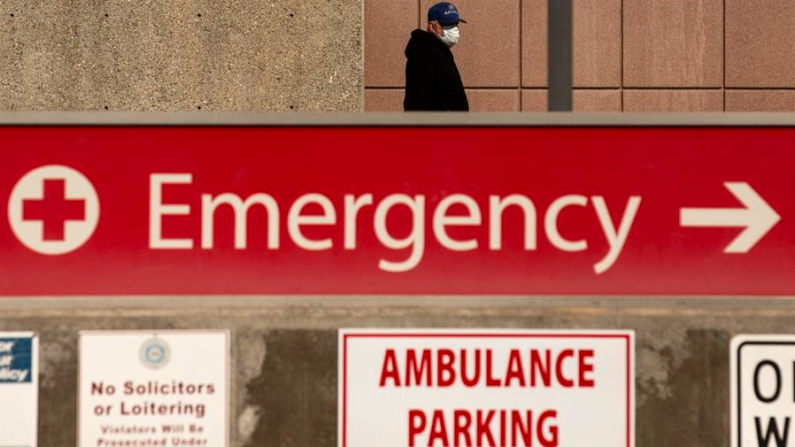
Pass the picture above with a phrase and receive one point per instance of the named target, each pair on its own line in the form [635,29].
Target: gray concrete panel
[181,55]
[284,352]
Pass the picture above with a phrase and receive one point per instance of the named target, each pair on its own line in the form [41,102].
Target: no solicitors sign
[268,210]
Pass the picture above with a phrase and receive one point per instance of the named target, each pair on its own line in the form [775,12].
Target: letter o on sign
[758,371]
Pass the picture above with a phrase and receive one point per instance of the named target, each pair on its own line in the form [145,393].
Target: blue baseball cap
[444,13]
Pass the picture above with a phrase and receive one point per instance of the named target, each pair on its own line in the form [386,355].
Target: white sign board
[459,388]
[19,389]
[762,390]
[146,389]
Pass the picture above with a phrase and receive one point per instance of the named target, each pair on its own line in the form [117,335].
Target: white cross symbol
[53,210]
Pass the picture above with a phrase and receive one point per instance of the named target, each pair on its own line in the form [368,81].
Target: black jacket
[432,78]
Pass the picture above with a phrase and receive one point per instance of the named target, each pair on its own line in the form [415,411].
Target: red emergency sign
[397,210]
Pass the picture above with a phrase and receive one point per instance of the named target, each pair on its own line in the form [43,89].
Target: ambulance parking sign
[472,388]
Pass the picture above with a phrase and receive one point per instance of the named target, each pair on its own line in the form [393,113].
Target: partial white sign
[154,389]
[469,388]
[762,390]
[19,389]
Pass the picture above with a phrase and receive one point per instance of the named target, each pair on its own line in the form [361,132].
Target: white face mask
[450,36]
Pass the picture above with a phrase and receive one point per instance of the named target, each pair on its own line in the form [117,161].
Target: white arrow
[757,217]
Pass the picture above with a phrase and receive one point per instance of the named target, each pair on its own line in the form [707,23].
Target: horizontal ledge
[396,119]
[11,305]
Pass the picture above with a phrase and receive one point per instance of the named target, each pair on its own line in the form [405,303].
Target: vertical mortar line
[559,57]
[521,19]
[724,56]
[419,14]
[363,91]
[621,72]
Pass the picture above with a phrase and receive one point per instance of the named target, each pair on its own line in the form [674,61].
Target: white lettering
[295,219]
[496,208]
[352,206]
[551,223]
[210,204]
[415,239]
[441,220]
[157,210]
[615,239]
[444,216]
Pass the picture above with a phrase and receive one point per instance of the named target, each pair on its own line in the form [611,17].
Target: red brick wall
[630,55]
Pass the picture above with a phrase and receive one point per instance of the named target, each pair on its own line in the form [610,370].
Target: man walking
[432,78]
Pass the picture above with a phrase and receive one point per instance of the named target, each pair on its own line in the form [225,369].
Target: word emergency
[452,211]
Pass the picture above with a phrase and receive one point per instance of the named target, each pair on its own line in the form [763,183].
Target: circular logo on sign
[53,210]
[155,353]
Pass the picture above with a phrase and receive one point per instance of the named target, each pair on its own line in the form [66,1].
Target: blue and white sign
[19,389]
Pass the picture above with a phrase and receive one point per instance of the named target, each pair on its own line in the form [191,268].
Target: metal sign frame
[385,119]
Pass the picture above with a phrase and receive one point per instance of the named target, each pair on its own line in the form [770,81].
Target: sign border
[35,367]
[398,119]
[345,334]
[738,342]
[228,360]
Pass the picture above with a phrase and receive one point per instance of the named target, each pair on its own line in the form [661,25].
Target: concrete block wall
[629,55]
[344,55]
[181,55]
[284,352]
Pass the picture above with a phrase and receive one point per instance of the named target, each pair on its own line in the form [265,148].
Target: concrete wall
[284,352]
[629,55]
[314,55]
[290,55]
[181,55]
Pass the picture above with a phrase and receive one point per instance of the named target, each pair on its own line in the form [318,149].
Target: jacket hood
[421,39]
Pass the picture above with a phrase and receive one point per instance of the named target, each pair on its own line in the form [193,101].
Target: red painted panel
[665,169]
